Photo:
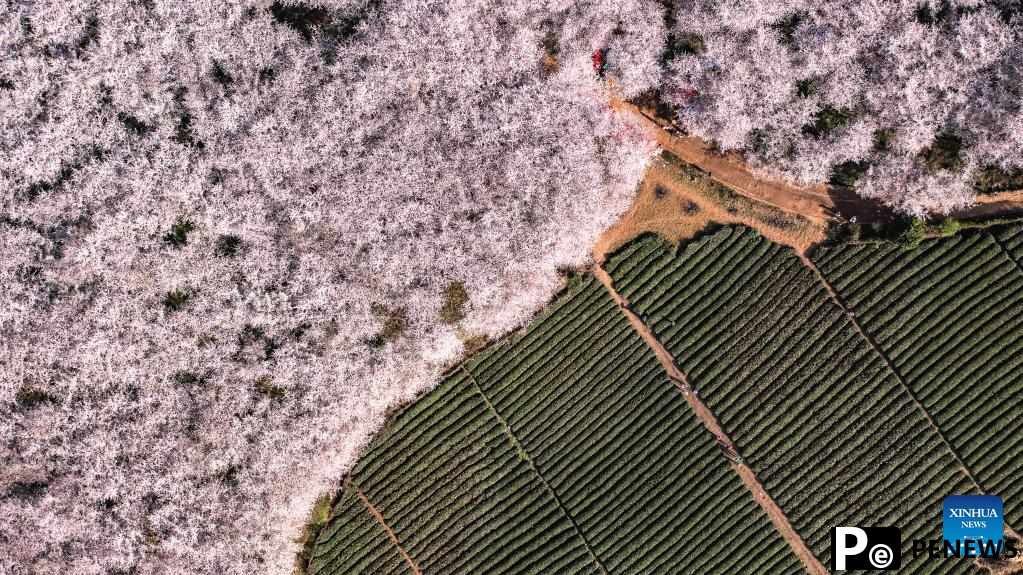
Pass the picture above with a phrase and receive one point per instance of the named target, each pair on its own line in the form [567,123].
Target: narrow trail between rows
[380,519]
[1008,253]
[863,333]
[532,466]
[760,495]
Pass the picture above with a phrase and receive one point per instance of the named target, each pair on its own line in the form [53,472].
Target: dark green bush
[30,396]
[395,322]
[943,154]
[993,180]
[188,377]
[827,120]
[847,173]
[455,298]
[133,124]
[683,44]
[806,87]
[178,234]
[220,75]
[913,233]
[265,385]
[949,227]
[228,245]
[175,300]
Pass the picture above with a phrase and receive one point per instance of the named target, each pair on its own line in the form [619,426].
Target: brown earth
[677,207]
[1004,204]
[816,202]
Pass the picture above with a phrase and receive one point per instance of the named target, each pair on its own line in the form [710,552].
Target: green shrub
[306,20]
[317,521]
[787,29]
[847,173]
[228,245]
[992,180]
[806,87]
[230,475]
[188,377]
[178,234]
[913,233]
[943,154]
[841,233]
[183,132]
[133,124]
[827,120]
[395,322]
[175,300]
[220,75]
[30,396]
[884,140]
[949,227]
[683,44]
[455,298]
[265,385]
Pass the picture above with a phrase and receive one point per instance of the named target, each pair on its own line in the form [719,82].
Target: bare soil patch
[678,205]
[815,202]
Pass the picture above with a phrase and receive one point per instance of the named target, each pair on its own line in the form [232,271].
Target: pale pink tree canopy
[225,239]
[902,80]
[227,228]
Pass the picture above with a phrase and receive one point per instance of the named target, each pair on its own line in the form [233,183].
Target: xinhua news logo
[971,527]
[866,548]
[973,522]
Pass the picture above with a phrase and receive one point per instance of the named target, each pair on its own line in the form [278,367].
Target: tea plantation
[861,387]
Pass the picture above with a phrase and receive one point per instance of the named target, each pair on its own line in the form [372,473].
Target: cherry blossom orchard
[228,234]
[914,103]
[234,236]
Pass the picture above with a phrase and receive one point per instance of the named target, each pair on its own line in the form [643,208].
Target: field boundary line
[1008,254]
[749,478]
[387,528]
[891,367]
[307,568]
[898,376]
[532,466]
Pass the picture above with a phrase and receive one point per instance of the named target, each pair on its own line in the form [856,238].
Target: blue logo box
[976,518]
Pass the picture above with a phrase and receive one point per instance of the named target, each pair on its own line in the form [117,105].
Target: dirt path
[677,211]
[380,520]
[1003,204]
[776,515]
[816,202]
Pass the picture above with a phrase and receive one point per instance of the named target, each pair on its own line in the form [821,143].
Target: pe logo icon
[972,524]
[866,548]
